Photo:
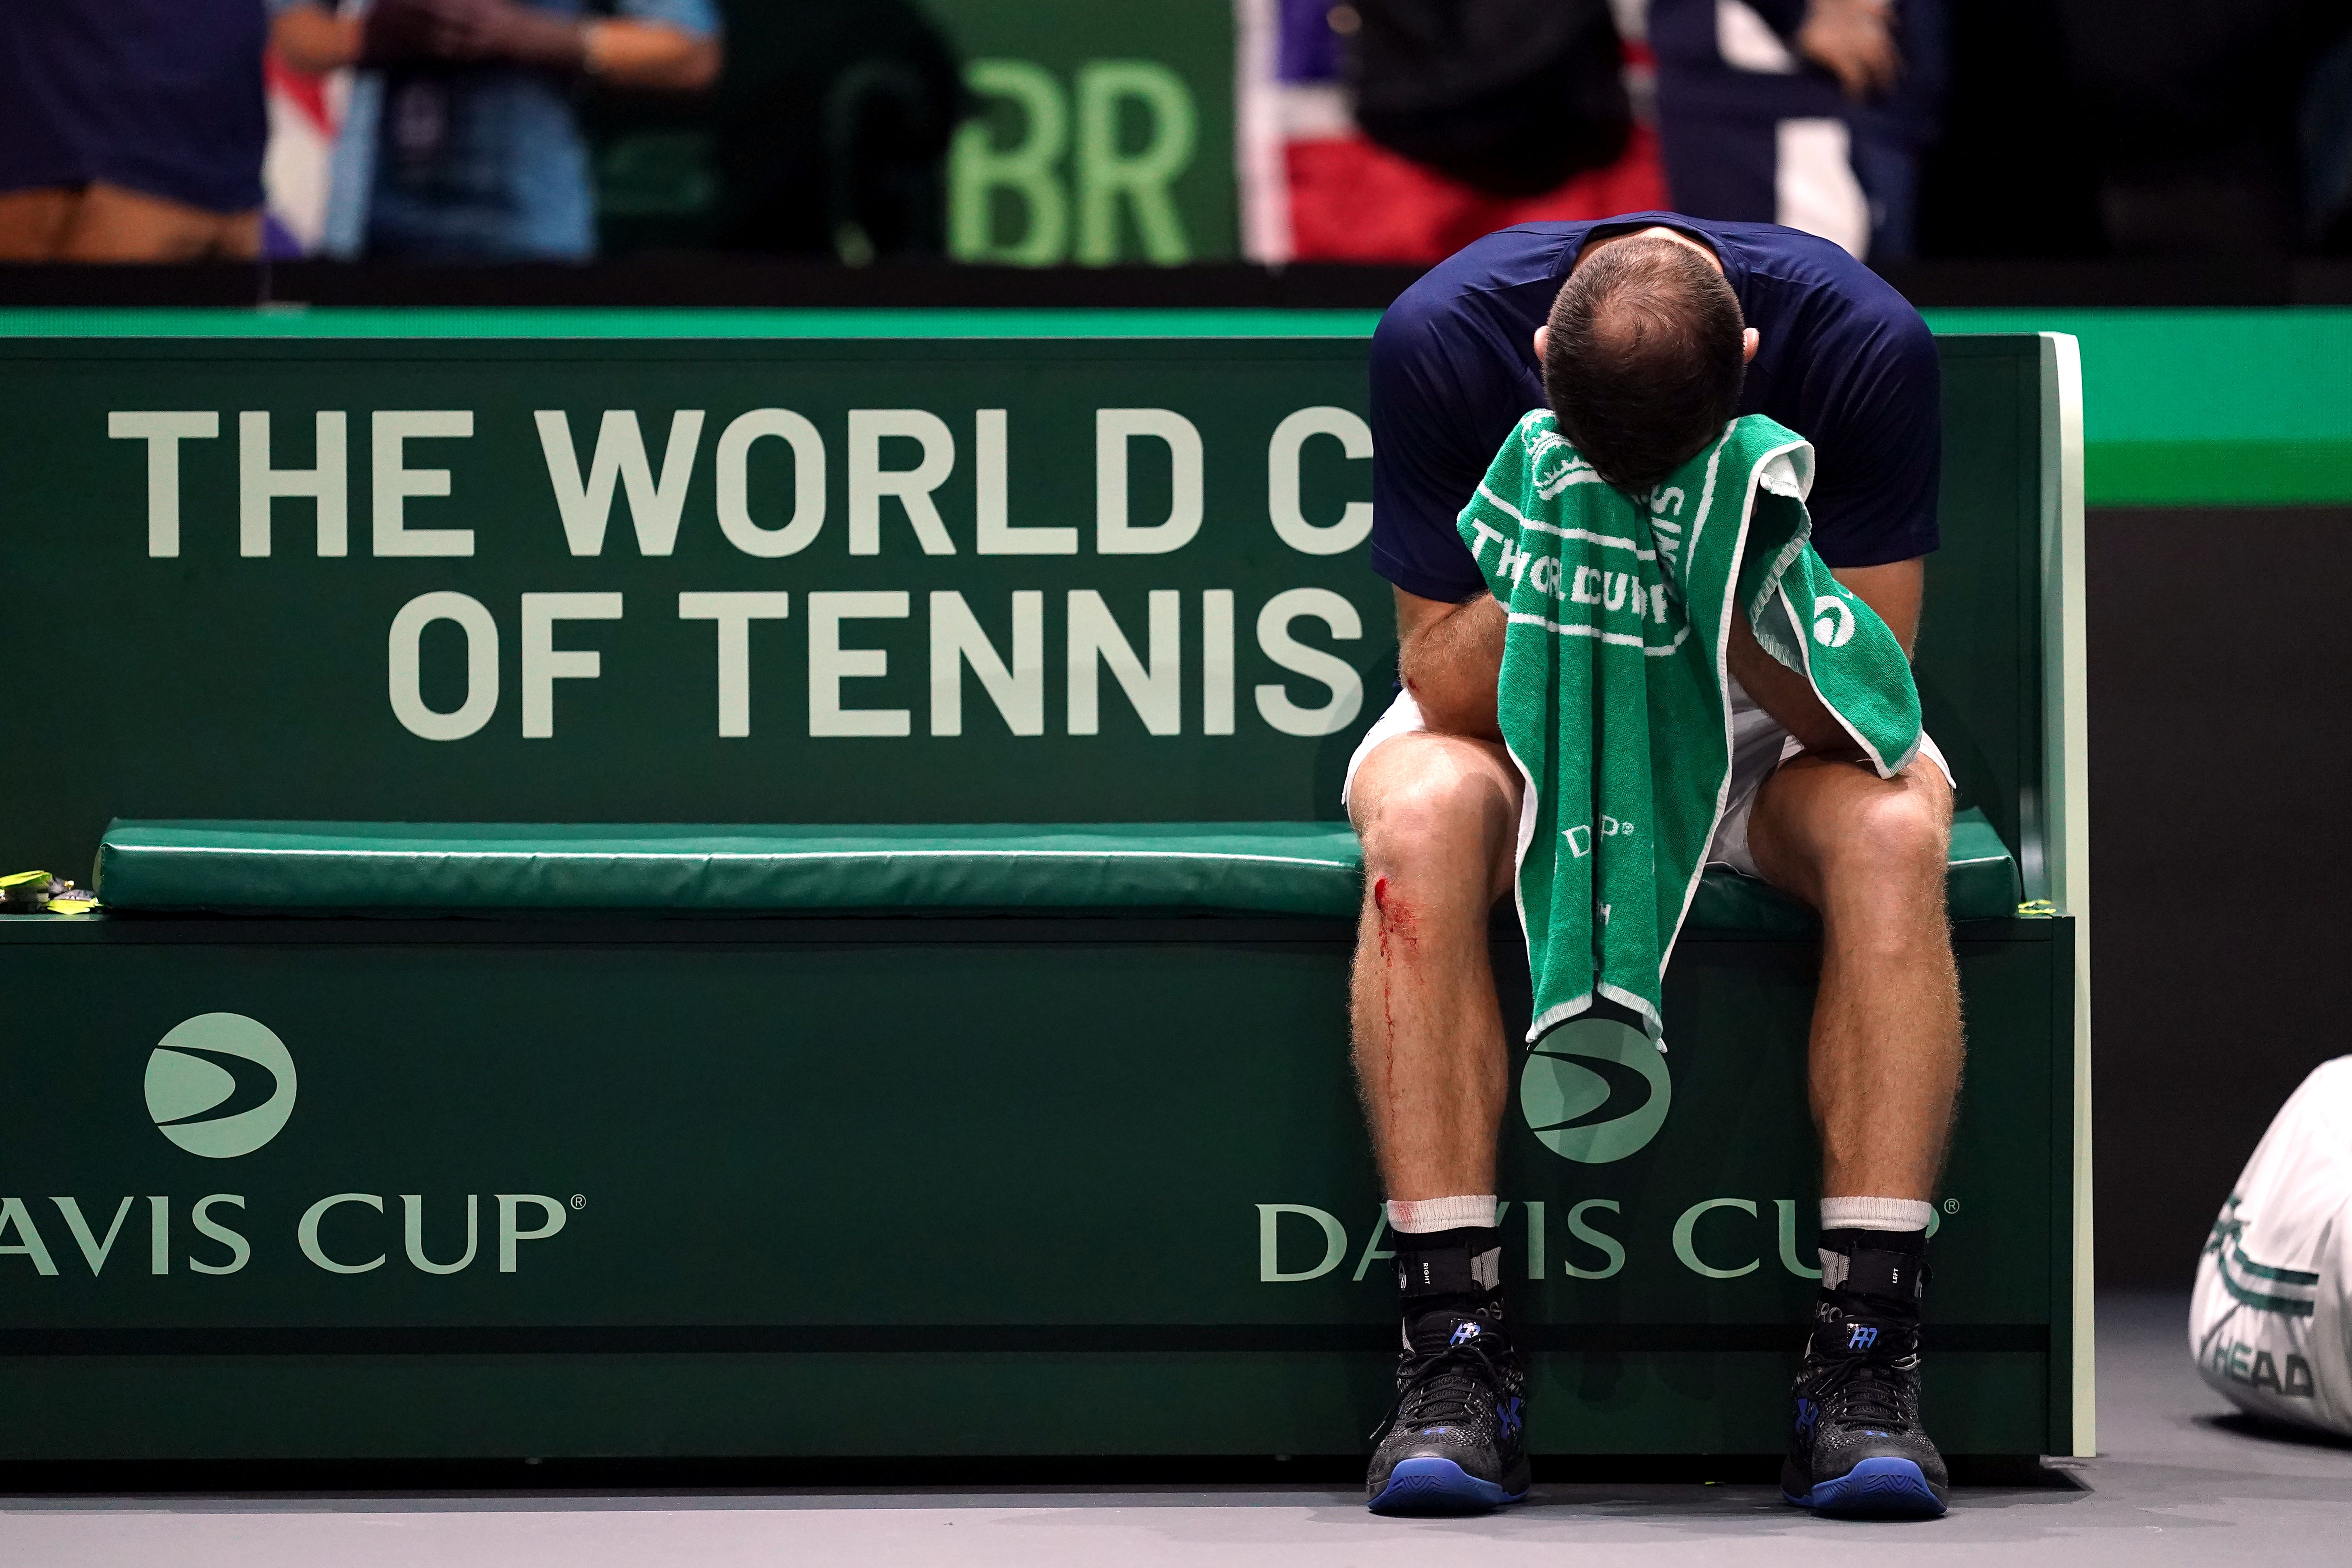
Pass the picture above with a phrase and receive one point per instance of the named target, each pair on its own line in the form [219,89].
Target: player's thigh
[1439,805]
[1817,821]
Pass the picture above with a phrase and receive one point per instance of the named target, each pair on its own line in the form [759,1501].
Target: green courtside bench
[997,1102]
[1226,867]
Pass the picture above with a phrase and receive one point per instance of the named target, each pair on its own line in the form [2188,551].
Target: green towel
[1614,699]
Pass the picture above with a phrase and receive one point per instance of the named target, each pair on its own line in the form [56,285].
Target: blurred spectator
[1316,188]
[1811,113]
[459,143]
[131,130]
[304,113]
[1509,97]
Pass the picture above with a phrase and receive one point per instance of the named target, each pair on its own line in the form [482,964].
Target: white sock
[1874,1213]
[1420,1215]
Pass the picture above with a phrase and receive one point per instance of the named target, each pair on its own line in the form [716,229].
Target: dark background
[2219,648]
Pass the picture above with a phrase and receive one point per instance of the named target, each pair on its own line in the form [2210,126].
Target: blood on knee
[1396,913]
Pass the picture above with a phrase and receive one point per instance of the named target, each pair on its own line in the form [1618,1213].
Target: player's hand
[397,32]
[501,29]
[1853,40]
[472,32]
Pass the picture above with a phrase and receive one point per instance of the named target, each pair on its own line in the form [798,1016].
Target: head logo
[1594,1091]
[220,1085]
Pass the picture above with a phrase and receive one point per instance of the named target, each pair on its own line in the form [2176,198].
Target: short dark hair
[1646,358]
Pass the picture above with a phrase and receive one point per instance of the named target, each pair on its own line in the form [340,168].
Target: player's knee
[1431,818]
[1899,832]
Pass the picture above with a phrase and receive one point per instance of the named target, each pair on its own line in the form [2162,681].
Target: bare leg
[1869,854]
[32,222]
[114,223]
[1438,816]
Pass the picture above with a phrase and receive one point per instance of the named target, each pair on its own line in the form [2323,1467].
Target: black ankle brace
[1449,1270]
[1874,1272]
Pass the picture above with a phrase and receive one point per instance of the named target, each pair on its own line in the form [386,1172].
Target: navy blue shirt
[158,96]
[1843,360]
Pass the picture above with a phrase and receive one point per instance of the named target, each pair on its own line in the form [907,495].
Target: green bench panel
[1250,868]
[669,1083]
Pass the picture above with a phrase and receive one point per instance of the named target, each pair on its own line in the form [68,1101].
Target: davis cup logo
[220,1085]
[1594,1091]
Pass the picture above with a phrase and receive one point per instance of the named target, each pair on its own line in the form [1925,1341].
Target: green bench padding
[1245,868]
[1258,868]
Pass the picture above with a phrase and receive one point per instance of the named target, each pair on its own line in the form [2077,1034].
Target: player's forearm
[1894,592]
[1785,695]
[1450,657]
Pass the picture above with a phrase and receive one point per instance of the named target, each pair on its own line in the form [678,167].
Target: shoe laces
[1866,1391]
[1443,1385]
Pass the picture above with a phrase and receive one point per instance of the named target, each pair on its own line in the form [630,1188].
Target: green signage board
[1141,555]
[1101,134]
[1105,135]
[2230,407]
[809,581]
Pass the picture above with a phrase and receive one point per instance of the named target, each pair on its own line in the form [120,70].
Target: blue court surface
[2177,1481]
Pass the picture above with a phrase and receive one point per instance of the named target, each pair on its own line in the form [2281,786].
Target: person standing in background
[1808,113]
[131,130]
[460,143]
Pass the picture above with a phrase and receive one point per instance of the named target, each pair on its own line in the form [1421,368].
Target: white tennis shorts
[1759,743]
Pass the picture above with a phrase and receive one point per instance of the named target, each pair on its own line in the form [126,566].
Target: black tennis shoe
[1455,1442]
[1857,1448]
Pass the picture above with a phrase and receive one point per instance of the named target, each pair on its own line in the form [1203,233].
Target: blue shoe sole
[1875,1488]
[1439,1486]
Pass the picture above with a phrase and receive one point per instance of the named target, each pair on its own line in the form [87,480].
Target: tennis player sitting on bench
[1645,334]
